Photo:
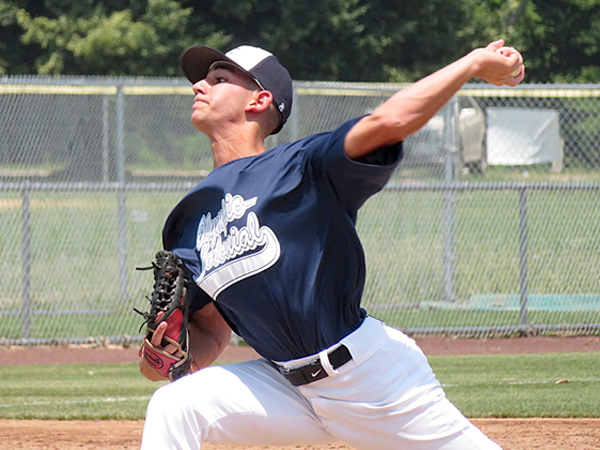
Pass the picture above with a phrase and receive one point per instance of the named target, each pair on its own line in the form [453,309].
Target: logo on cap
[281,107]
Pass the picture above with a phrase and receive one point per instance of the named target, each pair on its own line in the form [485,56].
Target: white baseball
[506,51]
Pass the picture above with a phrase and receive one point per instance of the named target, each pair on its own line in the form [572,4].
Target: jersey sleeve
[197,297]
[352,181]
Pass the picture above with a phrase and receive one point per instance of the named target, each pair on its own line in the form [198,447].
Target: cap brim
[196,61]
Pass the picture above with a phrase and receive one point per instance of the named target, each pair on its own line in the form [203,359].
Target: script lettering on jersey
[230,254]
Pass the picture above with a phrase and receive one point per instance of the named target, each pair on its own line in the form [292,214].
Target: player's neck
[236,145]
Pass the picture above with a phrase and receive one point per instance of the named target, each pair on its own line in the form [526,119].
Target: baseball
[506,51]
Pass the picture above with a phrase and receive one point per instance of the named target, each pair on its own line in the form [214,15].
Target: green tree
[14,56]
[89,38]
[561,40]
[349,40]
[355,40]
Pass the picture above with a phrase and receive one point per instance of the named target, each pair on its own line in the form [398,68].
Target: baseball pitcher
[266,246]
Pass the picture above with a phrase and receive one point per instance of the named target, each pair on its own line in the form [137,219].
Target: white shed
[520,136]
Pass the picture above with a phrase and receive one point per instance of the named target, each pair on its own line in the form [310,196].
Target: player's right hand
[497,63]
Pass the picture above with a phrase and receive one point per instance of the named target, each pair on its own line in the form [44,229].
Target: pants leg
[385,398]
[392,401]
[249,403]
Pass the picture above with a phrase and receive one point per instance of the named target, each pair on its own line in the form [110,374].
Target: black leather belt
[314,370]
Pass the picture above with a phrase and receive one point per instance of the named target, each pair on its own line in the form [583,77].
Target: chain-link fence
[490,226]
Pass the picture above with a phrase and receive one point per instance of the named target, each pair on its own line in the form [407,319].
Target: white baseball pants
[385,398]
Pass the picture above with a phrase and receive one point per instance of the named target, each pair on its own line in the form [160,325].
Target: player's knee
[172,419]
[164,401]
[184,397]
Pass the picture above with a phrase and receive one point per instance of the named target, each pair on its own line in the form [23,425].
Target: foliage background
[341,40]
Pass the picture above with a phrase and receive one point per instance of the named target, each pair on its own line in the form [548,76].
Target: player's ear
[259,102]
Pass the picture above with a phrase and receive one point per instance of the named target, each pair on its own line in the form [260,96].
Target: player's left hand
[164,352]
[158,335]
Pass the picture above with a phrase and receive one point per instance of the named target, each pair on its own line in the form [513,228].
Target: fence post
[295,117]
[105,146]
[26,261]
[523,257]
[121,195]
[449,198]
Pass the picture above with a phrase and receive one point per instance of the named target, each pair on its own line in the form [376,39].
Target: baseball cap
[260,65]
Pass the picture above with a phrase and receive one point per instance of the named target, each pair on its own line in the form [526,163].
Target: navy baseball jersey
[271,240]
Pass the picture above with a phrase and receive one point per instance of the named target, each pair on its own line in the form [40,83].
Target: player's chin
[197,116]
[198,121]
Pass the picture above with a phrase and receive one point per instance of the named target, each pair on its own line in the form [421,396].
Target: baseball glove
[168,298]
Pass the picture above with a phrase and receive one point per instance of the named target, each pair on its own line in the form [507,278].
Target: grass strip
[532,385]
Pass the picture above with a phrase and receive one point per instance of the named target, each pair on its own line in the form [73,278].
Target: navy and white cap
[260,65]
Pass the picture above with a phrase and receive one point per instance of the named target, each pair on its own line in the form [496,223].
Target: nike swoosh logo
[316,373]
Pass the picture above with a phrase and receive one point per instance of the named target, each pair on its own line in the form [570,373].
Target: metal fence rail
[90,167]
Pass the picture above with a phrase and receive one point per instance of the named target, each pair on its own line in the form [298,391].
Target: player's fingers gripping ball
[168,304]
[507,51]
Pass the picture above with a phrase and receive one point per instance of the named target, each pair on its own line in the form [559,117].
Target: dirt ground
[511,434]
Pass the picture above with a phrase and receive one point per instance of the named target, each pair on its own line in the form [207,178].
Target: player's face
[221,98]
